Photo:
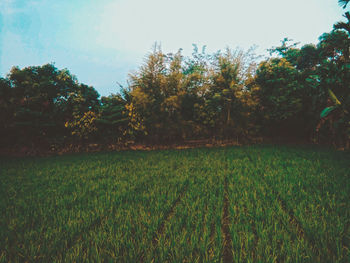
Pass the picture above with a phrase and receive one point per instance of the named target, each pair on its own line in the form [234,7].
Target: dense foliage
[297,93]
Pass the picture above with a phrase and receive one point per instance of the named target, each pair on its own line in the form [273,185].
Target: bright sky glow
[101,41]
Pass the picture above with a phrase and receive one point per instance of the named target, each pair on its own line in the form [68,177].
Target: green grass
[285,204]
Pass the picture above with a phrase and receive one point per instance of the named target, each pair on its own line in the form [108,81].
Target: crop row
[247,204]
[314,191]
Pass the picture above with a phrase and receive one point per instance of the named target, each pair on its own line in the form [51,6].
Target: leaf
[333,97]
[327,111]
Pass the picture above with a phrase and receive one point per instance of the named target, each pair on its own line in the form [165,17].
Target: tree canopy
[297,92]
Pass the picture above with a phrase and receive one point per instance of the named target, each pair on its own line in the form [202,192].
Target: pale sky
[101,41]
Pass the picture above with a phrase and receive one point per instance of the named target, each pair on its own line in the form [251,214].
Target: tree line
[296,93]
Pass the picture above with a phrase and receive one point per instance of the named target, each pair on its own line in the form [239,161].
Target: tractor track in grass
[166,218]
[331,247]
[211,224]
[12,247]
[204,226]
[227,255]
[203,221]
[292,219]
[256,239]
[96,223]
[345,241]
[212,232]
[253,225]
[296,224]
[57,251]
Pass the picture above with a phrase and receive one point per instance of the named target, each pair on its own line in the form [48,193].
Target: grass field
[241,204]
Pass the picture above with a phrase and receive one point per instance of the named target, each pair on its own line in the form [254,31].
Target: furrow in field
[281,204]
[293,222]
[78,236]
[226,220]
[193,233]
[292,219]
[256,238]
[345,240]
[321,202]
[167,216]
[262,216]
[212,233]
[64,244]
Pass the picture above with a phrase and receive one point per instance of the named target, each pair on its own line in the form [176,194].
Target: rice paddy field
[234,204]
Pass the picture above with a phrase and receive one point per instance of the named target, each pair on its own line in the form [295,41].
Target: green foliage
[334,77]
[230,76]
[113,120]
[298,85]
[343,25]
[83,127]
[37,93]
[280,97]
[327,111]
[195,96]
[148,91]
[38,101]
[6,112]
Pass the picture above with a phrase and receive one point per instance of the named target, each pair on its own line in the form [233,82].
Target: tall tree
[113,119]
[343,3]
[44,98]
[334,73]
[148,90]
[343,25]
[6,112]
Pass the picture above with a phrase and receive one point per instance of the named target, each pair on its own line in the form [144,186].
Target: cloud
[133,26]
[6,7]
[110,37]
[11,7]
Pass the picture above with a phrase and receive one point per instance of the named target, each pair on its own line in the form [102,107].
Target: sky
[102,41]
